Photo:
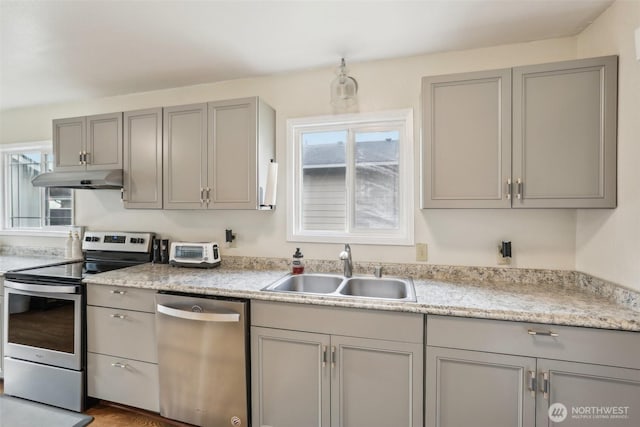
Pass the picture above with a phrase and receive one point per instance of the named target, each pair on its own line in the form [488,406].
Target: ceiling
[57,51]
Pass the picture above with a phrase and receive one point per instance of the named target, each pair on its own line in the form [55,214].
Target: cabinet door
[467,140]
[104,141]
[143,159]
[68,143]
[1,332]
[290,378]
[185,156]
[232,154]
[564,133]
[591,395]
[376,383]
[469,388]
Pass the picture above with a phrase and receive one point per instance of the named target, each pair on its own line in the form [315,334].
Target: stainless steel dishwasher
[202,359]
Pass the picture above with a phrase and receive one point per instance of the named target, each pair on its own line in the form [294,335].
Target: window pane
[377,180]
[58,202]
[25,199]
[324,180]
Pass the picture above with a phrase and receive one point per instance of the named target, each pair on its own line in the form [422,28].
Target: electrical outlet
[500,259]
[421,252]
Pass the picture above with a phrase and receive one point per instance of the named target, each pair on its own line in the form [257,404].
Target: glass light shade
[344,89]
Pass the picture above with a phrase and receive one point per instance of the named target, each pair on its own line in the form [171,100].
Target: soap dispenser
[297,264]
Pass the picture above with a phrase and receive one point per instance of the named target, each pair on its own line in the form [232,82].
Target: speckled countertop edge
[560,302]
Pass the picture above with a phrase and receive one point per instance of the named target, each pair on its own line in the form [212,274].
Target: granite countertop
[15,262]
[541,302]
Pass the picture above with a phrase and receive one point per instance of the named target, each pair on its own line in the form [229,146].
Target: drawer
[121,297]
[122,333]
[125,381]
[588,345]
[376,324]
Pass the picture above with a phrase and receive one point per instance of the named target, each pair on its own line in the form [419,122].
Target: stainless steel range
[45,319]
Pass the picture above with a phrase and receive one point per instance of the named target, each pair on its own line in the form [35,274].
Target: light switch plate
[421,252]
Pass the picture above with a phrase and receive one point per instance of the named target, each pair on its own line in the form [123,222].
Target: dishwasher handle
[219,316]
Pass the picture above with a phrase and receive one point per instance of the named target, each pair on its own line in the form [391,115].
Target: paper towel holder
[268,193]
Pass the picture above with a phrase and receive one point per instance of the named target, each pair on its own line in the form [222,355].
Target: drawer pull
[120,365]
[118,316]
[118,292]
[543,333]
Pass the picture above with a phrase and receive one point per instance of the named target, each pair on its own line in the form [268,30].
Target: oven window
[46,323]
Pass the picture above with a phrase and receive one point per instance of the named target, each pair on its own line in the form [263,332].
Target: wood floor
[108,414]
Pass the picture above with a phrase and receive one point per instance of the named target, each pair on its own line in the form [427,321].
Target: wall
[608,241]
[541,238]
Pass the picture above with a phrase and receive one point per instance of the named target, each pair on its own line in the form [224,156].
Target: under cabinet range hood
[84,180]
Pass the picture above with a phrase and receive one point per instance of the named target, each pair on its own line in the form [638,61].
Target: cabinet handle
[509,188]
[122,199]
[118,316]
[117,292]
[80,158]
[324,356]
[543,333]
[86,157]
[201,196]
[519,190]
[544,384]
[333,356]
[532,382]
[120,365]
[208,195]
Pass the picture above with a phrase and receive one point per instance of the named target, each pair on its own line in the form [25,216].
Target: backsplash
[31,251]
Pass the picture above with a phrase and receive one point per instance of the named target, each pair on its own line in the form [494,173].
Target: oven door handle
[220,316]
[45,289]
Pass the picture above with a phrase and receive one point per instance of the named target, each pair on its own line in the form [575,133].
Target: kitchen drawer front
[377,324]
[121,297]
[123,333]
[125,381]
[577,344]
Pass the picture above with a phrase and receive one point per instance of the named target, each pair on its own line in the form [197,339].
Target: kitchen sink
[307,283]
[371,287]
[385,288]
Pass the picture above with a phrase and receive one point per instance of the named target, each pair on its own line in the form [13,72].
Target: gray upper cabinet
[88,143]
[548,143]
[217,154]
[185,156]
[467,140]
[564,134]
[142,179]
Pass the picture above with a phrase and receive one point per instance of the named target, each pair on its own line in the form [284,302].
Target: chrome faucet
[345,256]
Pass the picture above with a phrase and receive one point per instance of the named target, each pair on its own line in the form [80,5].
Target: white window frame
[402,119]
[56,230]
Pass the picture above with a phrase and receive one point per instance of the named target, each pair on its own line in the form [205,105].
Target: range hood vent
[83,180]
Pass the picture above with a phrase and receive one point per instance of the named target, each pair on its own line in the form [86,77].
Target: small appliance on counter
[199,255]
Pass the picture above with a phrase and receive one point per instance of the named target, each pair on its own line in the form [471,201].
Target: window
[351,178]
[26,207]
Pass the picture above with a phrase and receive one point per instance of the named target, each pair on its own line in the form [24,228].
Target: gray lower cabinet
[310,378]
[88,143]
[142,171]
[592,394]
[470,388]
[537,136]
[1,331]
[122,360]
[497,373]
[216,155]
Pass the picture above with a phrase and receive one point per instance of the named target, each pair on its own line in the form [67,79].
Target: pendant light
[344,90]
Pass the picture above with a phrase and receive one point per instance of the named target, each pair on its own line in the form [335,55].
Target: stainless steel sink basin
[396,289]
[385,288]
[307,283]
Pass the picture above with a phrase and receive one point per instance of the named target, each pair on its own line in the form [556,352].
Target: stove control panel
[117,241]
